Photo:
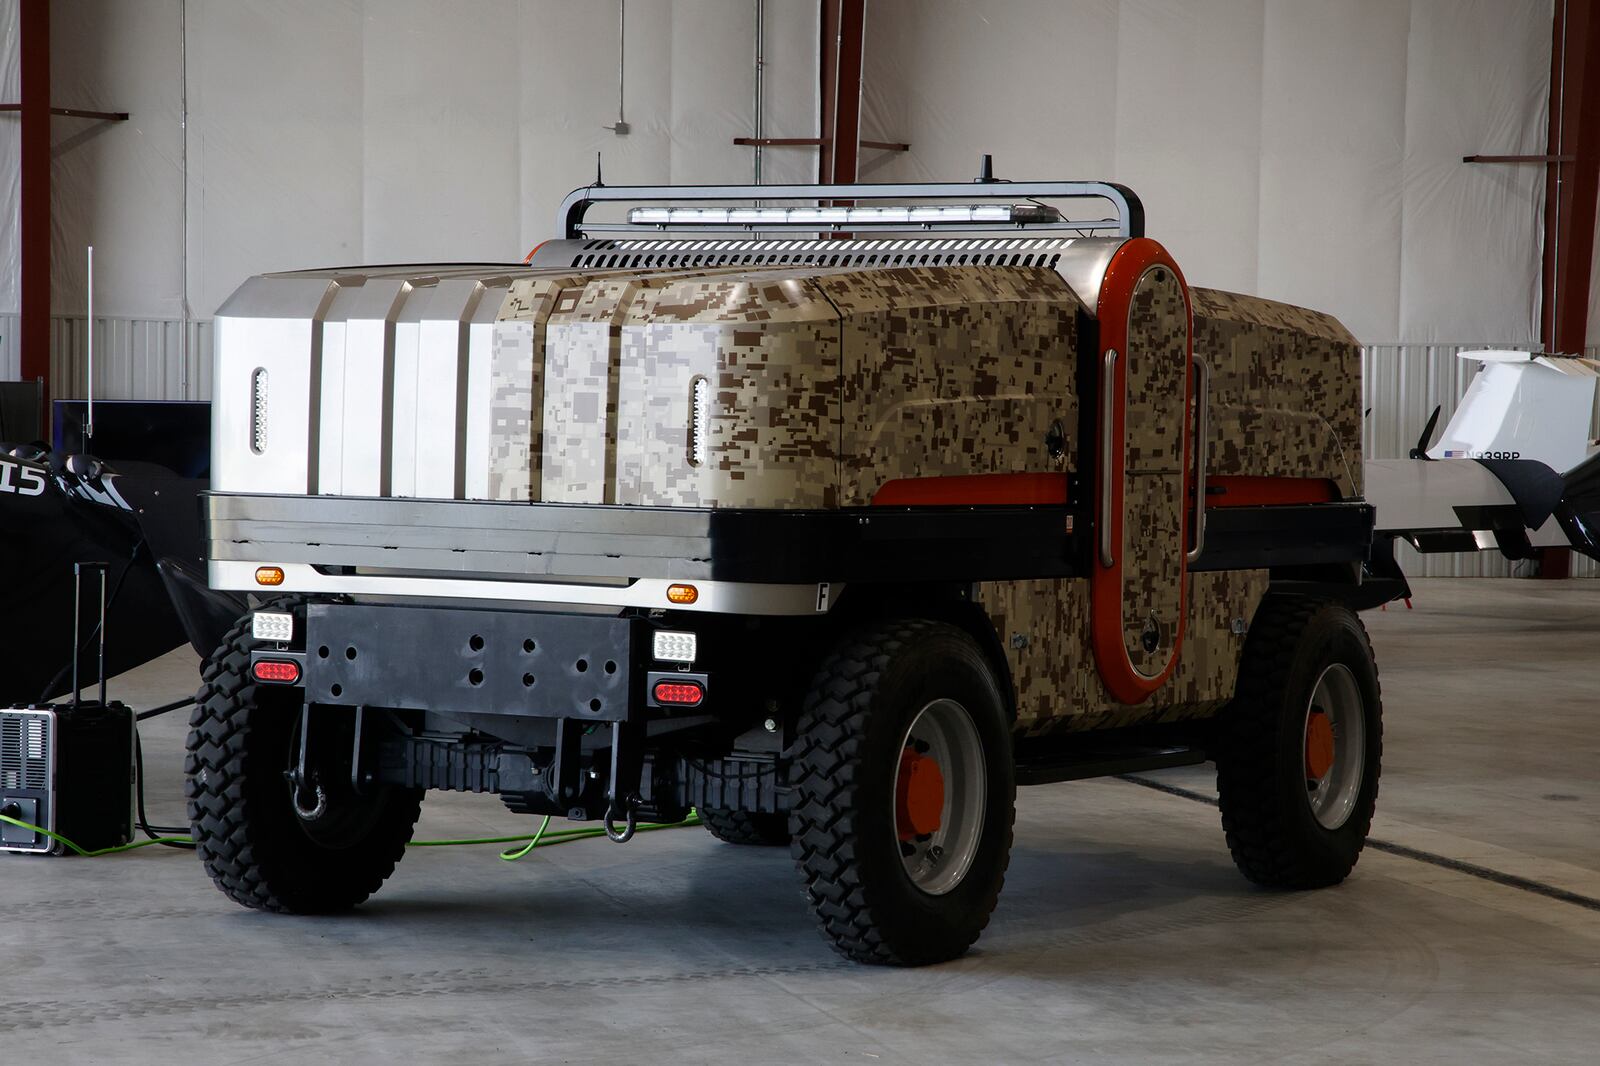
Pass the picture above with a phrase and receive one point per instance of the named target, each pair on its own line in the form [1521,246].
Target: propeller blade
[1421,450]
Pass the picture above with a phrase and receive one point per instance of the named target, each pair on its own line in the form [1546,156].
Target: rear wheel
[268,845]
[1300,746]
[904,794]
[745,827]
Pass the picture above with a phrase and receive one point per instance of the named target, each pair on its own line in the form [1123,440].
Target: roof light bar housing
[976,206]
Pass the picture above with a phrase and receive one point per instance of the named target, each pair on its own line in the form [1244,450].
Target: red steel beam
[796,142]
[843,35]
[1518,158]
[34,42]
[1573,180]
[77,112]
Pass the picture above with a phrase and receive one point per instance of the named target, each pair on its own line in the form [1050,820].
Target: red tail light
[276,671]
[679,693]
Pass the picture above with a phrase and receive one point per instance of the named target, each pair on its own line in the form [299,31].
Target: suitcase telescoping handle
[78,570]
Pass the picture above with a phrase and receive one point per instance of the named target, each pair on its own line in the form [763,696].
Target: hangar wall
[324,132]
[1302,152]
[1306,152]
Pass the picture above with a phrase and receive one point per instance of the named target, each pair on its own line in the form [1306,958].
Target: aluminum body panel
[273,326]
[377,381]
[825,381]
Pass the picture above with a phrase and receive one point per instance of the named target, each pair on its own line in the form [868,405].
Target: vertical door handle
[1202,434]
[1108,412]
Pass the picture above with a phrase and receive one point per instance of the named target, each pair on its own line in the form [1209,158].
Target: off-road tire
[756,828]
[862,699]
[1275,839]
[245,829]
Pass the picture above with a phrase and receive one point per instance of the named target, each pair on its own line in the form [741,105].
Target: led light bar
[272,626]
[674,647]
[758,217]
[699,420]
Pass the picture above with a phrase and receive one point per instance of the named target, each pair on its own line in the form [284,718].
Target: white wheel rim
[1333,796]
[937,862]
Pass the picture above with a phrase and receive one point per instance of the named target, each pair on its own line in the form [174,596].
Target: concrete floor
[1124,933]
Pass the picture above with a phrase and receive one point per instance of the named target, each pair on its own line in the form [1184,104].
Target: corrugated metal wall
[10,351]
[134,358]
[1401,384]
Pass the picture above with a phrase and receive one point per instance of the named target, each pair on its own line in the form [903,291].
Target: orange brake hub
[919,796]
[1319,745]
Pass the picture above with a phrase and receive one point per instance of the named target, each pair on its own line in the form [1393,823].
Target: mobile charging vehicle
[835,518]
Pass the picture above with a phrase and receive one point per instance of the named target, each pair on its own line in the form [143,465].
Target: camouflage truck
[834,522]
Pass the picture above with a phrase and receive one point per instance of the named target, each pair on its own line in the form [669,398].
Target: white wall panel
[712,90]
[276,150]
[346,131]
[117,185]
[1332,142]
[1476,81]
[1194,157]
[568,95]
[1034,82]
[1309,152]
[790,108]
[439,132]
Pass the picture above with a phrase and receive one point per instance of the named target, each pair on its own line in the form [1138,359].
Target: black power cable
[154,832]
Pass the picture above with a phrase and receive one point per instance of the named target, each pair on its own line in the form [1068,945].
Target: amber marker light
[682,594]
[273,575]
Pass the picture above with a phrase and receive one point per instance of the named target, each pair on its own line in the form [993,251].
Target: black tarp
[70,520]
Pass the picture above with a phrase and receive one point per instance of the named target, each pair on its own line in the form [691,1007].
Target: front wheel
[268,845]
[1300,747]
[904,794]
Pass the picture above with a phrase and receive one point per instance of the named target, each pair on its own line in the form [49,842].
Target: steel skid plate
[521,663]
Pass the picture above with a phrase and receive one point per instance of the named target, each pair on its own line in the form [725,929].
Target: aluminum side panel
[281,349]
[475,435]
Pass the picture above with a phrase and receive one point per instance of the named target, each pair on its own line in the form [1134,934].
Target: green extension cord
[58,838]
[537,839]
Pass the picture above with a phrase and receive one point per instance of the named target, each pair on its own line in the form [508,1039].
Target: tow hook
[630,823]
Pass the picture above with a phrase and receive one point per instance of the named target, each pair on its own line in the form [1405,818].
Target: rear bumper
[520,663]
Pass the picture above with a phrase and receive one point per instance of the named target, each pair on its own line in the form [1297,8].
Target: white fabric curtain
[1304,151]
[1308,152]
[332,132]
